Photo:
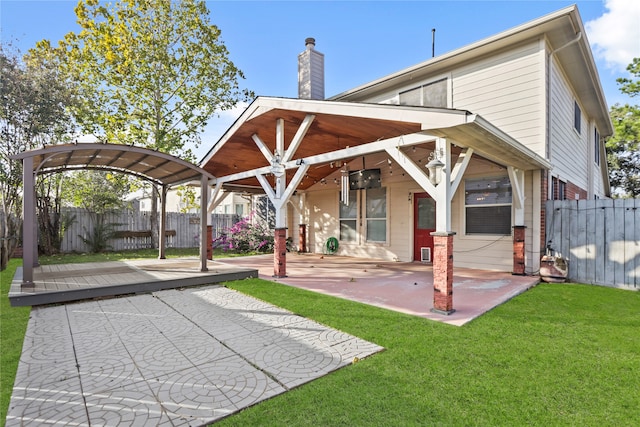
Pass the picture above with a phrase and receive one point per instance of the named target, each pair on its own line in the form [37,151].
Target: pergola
[159,168]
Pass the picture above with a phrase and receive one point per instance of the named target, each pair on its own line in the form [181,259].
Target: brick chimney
[310,72]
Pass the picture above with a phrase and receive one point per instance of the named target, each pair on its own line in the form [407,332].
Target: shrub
[245,237]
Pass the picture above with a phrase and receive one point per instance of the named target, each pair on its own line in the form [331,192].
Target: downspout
[548,100]
[548,133]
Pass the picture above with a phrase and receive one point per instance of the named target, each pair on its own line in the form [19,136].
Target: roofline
[458,52]
[262,104]
[526,31]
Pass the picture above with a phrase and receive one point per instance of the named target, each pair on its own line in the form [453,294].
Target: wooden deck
[72,282]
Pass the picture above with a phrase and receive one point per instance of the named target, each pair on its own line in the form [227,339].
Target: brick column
[280,253]
[209,242]
[518,250]
[302,238]
[443,273]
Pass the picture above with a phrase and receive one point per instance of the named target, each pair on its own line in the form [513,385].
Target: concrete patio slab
[174,357]
[401,286]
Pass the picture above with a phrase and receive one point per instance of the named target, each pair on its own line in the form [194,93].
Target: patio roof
[319,132]
[154,166]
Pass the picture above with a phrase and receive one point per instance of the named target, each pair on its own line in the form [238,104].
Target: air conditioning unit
[425,254]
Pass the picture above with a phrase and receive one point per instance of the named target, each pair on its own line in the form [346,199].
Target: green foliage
[152,72]
[98,238]
[557,355]
[629,86]
[623,148]
[188,200]
[34,112]
[97,191]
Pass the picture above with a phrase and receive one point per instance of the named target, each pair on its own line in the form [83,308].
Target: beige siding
[508,90]
[569,150]
[486,252]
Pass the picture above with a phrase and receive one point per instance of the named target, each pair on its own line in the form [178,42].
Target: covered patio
[286,148]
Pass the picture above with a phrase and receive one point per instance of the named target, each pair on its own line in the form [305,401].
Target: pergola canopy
[154,166]
[160,168]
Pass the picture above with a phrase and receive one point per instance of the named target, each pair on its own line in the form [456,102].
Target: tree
[623,147]
[34,112]
[99,193]
[151,72]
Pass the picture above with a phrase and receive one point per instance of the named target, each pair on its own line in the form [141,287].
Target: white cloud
[615,36]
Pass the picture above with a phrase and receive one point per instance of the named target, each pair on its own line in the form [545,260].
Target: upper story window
[577,116]
[432,94]
[596,144]
[488,206]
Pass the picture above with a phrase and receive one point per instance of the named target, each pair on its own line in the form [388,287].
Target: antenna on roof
[433,42]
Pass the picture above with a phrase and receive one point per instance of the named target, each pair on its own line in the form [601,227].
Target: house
[449,161]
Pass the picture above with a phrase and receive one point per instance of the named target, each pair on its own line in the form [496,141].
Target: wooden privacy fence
[133,229]
[600,238]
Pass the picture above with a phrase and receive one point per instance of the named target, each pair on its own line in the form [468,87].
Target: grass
[557,355]
[13,324]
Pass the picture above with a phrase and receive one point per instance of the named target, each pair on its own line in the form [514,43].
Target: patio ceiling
[342,127]
[154,166]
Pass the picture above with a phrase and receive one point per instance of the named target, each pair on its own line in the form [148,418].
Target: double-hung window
[488,206]
[349,218]
[432,94]
[376,214]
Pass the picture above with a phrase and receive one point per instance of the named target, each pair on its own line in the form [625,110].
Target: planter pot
[553,269]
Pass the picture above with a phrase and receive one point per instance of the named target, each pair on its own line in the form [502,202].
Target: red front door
[424,223]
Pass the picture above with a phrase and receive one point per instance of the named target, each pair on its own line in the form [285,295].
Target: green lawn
[556,355]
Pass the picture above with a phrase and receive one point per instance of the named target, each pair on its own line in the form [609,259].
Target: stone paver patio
[173,357]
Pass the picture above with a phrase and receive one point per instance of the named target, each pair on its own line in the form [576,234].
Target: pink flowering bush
[245,237]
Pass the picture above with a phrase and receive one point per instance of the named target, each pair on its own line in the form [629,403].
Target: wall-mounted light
[435,168]
[299,162]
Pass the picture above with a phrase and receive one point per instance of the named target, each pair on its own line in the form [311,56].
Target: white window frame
[465,206]
[385,219]
[421,87]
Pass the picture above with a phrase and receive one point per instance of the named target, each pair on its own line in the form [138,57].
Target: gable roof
[566,37]
[337,129]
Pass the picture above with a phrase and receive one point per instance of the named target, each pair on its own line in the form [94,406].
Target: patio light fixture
[435,168]
[277,169]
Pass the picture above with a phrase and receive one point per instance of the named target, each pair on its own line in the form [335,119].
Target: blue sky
[361,40]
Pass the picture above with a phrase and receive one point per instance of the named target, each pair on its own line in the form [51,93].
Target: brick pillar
[443,273]
[209,242]
[280,253]
[302,238]
[518,250]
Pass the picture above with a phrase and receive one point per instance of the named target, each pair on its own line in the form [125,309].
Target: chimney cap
[309,42]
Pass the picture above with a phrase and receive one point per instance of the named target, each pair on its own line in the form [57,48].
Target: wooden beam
[298,137]
[459,168]
[516,176]
[263,147]
[345,153]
